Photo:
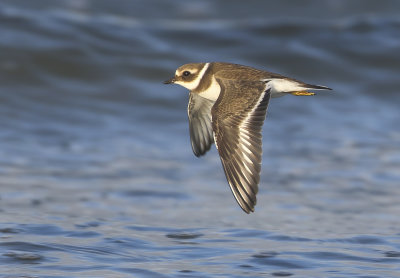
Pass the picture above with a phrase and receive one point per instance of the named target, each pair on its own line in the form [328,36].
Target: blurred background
[97,176]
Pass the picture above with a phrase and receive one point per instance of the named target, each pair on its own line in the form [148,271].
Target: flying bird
[228,105]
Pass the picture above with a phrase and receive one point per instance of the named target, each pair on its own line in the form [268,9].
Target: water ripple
[98,177]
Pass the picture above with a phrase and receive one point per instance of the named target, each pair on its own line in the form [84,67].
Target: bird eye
[186,73]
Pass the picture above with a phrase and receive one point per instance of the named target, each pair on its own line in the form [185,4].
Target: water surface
[97,174]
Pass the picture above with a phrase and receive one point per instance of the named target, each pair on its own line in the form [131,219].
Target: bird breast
[212,92]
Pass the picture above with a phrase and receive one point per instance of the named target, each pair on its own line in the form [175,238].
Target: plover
[227,105]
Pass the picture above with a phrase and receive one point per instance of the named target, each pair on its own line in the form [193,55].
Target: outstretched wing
[238,116]
[201,133]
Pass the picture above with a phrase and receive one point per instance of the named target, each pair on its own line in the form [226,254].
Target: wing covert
[238,116]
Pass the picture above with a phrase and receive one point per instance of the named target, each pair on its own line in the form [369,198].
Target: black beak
[170,81]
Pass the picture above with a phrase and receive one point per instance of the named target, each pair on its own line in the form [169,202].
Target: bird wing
[201,133]
[238,116]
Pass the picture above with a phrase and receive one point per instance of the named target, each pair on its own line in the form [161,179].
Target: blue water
[97,176]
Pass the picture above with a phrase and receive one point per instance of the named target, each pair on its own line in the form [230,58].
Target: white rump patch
[279,86]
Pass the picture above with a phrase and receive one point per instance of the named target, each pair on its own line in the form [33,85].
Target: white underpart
[195,83]
[280,86]
[212,92]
